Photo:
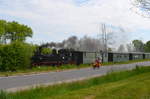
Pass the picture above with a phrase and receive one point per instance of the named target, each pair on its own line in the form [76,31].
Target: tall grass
[42,92]
[3,95]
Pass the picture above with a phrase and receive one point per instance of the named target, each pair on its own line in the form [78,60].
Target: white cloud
[61,17]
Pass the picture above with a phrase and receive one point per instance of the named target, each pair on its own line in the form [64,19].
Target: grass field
[41,69]
[133,84]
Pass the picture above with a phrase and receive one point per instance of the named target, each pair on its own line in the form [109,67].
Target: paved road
[16,83]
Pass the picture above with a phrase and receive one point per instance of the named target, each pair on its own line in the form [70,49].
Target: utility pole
[104,37]
[104,41]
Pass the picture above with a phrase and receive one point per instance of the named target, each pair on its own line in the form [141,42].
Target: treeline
[136,46]
[140,46]
[14,52]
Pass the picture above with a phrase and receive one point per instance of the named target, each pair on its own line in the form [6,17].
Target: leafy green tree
[18,32]
[147,46]
[13,31]
[3,24]
[16,54]
[2,27]
[138,45]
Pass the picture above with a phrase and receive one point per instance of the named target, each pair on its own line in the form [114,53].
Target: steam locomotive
[66,56]
[63,56]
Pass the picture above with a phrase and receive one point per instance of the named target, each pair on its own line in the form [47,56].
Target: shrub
[16,55]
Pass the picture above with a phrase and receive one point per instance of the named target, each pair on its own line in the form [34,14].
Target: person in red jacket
[97,63]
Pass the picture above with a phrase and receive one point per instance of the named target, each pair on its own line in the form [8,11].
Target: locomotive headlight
[40,58]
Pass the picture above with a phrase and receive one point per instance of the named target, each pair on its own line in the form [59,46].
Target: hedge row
[15,56]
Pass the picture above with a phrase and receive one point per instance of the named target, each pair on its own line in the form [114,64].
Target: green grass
[41,69]
[136,87]
[126,62]
[118,85]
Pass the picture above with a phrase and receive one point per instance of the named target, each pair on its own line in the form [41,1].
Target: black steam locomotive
[66,56]
[56,58]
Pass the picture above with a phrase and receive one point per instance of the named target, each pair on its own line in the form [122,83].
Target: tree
[3,24]
[18,32]
[2,27]
[143,6]
[147,46]
[138,45]
[13,31]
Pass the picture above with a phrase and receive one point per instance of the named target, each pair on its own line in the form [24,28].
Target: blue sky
[56,20]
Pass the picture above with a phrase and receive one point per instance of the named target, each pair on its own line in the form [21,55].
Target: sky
[56,20]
